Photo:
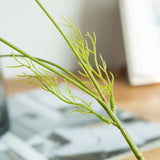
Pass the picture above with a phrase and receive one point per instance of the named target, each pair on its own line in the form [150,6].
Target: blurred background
[24,24]
[127,32]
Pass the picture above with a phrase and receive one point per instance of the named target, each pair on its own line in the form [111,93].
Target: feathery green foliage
[44,74]
[47,81]
[80,45]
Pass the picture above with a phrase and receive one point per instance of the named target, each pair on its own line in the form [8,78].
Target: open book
[42,127]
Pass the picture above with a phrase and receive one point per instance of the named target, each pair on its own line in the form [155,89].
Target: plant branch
[52,64]
[129,140]
[73,49]
[89,71]
[54,71]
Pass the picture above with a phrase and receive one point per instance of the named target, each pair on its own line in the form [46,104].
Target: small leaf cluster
[83,52]
[47,81]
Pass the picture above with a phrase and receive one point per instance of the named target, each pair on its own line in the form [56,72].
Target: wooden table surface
[142,100]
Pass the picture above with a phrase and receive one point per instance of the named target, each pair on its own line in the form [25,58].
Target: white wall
[141,29]
[23,23]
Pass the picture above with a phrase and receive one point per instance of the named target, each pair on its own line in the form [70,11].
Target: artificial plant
[45,76]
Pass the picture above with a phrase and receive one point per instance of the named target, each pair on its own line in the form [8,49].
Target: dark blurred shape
[4,121]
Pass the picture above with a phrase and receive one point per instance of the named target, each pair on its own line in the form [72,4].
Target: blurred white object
[141,30]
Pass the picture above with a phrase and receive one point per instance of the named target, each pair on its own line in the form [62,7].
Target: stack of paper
[42,127]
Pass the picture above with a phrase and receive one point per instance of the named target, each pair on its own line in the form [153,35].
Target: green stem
[130,142]
[125,134]
[71,46]
[25,54]
[105,105]
[53,64]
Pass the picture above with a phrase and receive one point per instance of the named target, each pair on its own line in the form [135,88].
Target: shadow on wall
[103,18]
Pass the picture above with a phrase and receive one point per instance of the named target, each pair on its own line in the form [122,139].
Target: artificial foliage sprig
[80,45]
[44,74]
[47,81]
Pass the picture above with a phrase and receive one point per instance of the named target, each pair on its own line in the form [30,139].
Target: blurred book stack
[42,128]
